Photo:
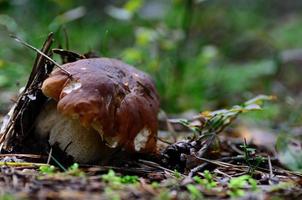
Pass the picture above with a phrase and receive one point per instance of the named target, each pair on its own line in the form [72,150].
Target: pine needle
[40,52]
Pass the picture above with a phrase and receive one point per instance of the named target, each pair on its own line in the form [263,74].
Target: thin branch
[153,164]
[40,52]
[22,164]
[57,162]
[49,157]
[21,155]
[271,174]
[164,141]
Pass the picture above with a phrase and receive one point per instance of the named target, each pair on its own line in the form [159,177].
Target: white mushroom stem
[83,144]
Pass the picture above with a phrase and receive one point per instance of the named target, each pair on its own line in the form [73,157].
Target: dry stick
[56,161]
[282,171]
[224,159]
[214,162]
[49,156]
[25,164]
[3,136]
[270,167]
[164,141]
[34,156]
[38,62]
[17,110]
[240,158]
[153,164]
[219,163]
[43,54]
[220,172]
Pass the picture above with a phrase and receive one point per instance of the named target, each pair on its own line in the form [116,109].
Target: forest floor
[237,169]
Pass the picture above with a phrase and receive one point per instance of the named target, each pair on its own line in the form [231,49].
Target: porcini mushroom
[102,104]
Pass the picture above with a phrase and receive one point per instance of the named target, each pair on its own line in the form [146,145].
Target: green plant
[217,121]
[75,170]
[117,181]
[208,182]
[177,174]
[194,192]
[250,157]
[237,185]
[129,179]
[47,169]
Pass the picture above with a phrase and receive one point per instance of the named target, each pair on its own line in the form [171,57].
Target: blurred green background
[202,54]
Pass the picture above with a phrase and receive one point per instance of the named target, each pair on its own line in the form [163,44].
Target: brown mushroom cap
[114,98]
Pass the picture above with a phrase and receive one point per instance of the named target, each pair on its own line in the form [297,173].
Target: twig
[197,169]
[270,167]
[282,171]
[207,145]
[234,148]
[49,156]
[57,162]
[153,164]
[218,163]
[20,155]
[16,164]
[220,172]
[240,158]
[43,54]
[164,141]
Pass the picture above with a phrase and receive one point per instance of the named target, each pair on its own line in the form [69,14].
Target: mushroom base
[84,145]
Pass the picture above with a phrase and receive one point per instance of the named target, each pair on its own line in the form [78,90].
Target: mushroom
[101,105]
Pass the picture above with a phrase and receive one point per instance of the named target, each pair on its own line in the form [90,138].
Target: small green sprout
[236,185]
[115,180]
[176,174]
[250,157]
[74,167]
[110,177]
[194,192]
[75,170]
[129,179]
[47,169]
[208,182]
